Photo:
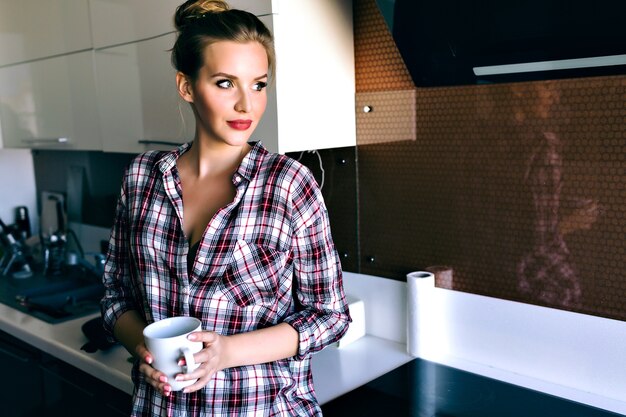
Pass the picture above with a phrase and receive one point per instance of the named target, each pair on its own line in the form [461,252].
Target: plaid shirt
[266,258]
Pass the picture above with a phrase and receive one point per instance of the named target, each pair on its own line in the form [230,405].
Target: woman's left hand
[212,358]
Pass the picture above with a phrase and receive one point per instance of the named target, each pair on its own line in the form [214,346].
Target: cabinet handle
[43,141]
[157,142]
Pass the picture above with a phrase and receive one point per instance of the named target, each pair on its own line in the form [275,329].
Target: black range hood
[457,42]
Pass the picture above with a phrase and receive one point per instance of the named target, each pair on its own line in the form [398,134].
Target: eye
[259,86]
[224,84]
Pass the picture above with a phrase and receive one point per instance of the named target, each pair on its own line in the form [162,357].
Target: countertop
[336,371]
[426,389]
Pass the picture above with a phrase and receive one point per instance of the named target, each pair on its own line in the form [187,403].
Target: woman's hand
[212,358]
[153,376]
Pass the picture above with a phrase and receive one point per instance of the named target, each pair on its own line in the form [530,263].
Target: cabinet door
[315,81]
[50,104]
[70,392]
[138,103]
[23,394]
[37,29]
[114,22]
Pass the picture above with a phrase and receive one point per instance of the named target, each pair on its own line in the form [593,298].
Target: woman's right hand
[153,377]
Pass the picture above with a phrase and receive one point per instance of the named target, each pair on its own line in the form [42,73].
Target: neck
[215,159]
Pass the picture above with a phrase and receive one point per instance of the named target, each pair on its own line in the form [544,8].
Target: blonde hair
[203,22]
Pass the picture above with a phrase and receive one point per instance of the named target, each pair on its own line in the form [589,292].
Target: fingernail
[162,378]
[179,378]
[192,336]
[181,362]
[148,359]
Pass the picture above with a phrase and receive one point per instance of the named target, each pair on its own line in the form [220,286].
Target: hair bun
[191,10]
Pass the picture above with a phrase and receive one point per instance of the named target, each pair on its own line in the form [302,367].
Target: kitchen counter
[336,371]
[426,389]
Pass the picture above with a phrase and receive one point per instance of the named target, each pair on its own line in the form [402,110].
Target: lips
[240,124]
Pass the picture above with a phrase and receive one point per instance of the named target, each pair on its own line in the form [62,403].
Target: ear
[184,86]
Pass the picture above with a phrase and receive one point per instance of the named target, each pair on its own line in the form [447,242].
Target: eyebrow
[226,75]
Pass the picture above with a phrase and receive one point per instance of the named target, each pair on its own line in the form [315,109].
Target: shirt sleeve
[322,317]
[117,297]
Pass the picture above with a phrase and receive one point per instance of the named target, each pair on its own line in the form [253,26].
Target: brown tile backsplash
[519,188]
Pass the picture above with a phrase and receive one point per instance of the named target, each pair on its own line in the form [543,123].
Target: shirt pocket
[253,275]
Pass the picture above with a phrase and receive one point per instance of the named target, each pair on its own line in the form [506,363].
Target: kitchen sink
[54,299]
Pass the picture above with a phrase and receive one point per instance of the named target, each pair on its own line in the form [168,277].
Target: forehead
[236,58]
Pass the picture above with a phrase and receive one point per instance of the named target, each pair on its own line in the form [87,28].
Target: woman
[227,232]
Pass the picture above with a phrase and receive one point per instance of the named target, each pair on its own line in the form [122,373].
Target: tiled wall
[519,188]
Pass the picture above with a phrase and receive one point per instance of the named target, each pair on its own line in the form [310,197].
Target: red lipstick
[240,124]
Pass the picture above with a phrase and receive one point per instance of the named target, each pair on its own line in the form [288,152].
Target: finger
[199,384]
[143,353]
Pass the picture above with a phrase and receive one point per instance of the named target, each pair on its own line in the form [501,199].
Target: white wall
[17,185]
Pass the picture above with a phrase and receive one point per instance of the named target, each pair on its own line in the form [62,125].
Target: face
[229,95]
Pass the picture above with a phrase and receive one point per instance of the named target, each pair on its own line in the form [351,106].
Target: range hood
[457,42]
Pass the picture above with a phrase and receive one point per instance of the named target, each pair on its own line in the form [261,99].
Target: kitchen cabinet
[41,385]
[69,392]
[22,390]
[139,107]
[115,22]
[54,103]
[310,103]
[32,30]
[50,104]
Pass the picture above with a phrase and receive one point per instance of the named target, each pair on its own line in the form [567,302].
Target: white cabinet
[50,104]
[138,104]
[115,22]
[32,29]
[312,105]
[54,102]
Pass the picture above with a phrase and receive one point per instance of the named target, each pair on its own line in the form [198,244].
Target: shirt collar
[247,169]
[252,161]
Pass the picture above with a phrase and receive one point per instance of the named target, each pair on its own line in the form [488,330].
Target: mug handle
[190,364]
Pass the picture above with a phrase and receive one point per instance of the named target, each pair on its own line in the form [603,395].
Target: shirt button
[237,178]
[186,291]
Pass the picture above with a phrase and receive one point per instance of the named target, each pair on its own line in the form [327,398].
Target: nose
[244,102]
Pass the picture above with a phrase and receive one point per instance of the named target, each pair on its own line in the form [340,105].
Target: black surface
[441,41]
[426,389]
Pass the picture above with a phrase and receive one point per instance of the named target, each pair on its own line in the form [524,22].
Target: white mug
[167,342]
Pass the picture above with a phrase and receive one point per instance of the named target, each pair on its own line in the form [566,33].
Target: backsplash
[518,188]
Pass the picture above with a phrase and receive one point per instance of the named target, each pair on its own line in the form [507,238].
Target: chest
[250,213]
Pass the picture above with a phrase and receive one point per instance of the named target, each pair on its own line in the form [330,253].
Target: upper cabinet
[311,104]
[32,30]
[123,66]
[50,104]
[138,104]
[115,22]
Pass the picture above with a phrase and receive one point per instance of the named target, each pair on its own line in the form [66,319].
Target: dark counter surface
[426,389]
